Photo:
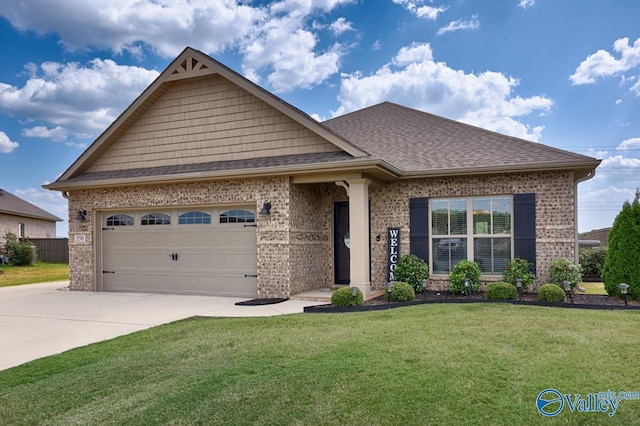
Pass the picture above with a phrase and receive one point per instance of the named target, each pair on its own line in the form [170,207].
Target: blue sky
[563,73]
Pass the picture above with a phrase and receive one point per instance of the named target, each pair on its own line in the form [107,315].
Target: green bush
[551,293]
[20,252]
[402,292]
[592,261]
[519,268]
[342,297]
[465,269]
[562,270]
[501,291]
[412,270]
[622,264]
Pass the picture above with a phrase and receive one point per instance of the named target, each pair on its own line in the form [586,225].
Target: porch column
[359,234]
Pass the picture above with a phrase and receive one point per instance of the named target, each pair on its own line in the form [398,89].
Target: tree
[623,257]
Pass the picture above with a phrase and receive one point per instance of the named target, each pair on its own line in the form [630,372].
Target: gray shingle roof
[10,204]
[415,141]
[218,166]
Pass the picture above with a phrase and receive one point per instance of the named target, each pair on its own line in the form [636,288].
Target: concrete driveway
[38,320]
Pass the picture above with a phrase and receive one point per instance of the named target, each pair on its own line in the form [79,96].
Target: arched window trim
[120,219]
[155,219]
[194,217]
[237,216]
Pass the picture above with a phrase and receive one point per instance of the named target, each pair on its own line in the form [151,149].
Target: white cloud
[525,4]
[636,89]
[74,99]
[274,38]
[6,144]
[416,7]
[620,162]
[56,134]
[287,51]
[460,24]
[627,144]
[430,12]
[415,79]
[340,26]
[604,64]
[119,25]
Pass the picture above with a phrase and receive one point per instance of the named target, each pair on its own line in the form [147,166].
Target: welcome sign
[393,250]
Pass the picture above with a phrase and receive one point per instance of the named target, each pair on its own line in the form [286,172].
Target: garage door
[203,251]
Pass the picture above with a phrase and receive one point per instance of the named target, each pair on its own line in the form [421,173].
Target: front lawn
[427,364]
[41,272]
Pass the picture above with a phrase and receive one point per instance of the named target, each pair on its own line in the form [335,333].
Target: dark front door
[341,242]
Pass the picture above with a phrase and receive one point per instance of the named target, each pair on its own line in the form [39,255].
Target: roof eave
[582,169]
[390,173]
[31,216]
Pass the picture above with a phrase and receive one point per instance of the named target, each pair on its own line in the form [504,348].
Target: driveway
[39,320]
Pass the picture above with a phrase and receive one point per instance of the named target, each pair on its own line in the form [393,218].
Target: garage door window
[194,218]
[120,220]
[237,216]
[156,219]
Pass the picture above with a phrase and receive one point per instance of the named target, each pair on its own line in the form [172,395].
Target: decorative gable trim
[189,68]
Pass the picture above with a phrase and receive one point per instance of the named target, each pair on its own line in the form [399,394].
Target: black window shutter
[524,227]
[419,227]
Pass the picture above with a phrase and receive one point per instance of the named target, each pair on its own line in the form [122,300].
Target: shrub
[412,270]
[21,253]
[342,297]
[519,268]
[623,258]
[402,292]
[562,270]
[465,269]
[501,291]
[592,261]
[551,293]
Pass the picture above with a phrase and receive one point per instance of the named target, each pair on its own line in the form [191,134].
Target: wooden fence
[54,250]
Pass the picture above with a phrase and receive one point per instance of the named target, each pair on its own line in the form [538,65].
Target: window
[237,216]
[478,228]
[21,233]
[156,219]
[194,218]
[120,220]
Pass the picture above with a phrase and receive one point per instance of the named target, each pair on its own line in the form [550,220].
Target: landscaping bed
[585,301]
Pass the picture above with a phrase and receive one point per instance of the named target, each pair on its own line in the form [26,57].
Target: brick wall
[295,242]
[555,213]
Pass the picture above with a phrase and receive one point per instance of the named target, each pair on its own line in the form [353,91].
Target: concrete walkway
[39,320]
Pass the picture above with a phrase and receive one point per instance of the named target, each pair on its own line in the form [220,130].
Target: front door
[341,242]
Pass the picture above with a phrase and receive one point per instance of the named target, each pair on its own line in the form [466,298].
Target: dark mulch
[578,299]
[259,302]
[584,301]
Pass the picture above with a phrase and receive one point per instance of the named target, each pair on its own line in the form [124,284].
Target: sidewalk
[39,320]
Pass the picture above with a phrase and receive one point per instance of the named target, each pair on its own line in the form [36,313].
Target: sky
[564,73]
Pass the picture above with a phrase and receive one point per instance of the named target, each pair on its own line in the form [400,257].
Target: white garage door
[199,251]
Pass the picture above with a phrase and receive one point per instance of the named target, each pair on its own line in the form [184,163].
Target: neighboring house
[24,219]
[209,184]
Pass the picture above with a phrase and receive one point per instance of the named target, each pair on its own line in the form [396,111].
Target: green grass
[41,272]
[594,288]
[427,364]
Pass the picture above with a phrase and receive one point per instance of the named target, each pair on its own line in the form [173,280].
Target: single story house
[209,184]
[23,219]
